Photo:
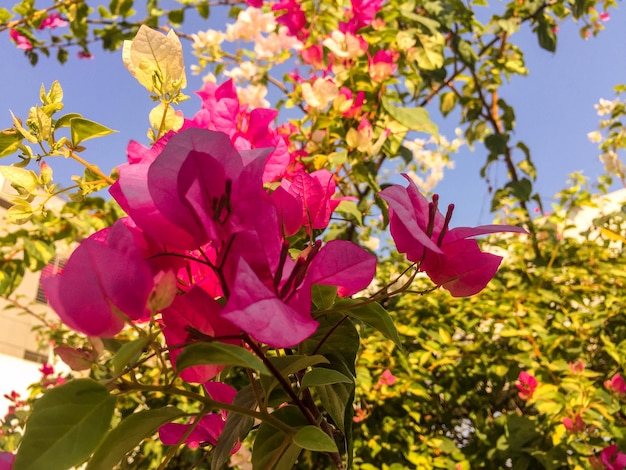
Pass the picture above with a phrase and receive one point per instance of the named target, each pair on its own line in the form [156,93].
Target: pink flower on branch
[210,426]
[292,17]
[526,384]
[616,384]
[21,41]
[197,310]
[387,378]
[450,257]
[612,458]
[53,21]
[105,282]
[575,424]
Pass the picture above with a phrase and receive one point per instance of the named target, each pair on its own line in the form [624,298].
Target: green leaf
[335,338]
[546,36]
[128,434]
[5,15]
[19,213]
[65,120]
[323,296]
[176,16]
[273,449]
[466,52]
[430,54]
[20,178]
[203,10]
[37,253]
[313,438]
[497,144]
[65,426]
[447,102]
[9,141]
[218,353]
[11,275]
[129,353]
[372,314]
[322,376]
[287,365]
[416,119]
[82,129]
[521,189]
[236,428]
[350,209]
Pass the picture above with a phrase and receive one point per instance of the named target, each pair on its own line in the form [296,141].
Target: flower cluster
[208,252]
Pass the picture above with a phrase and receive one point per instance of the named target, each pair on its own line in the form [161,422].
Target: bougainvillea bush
[228,305]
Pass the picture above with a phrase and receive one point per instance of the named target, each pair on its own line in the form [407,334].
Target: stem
[92,168]
[126,386]
[281,380]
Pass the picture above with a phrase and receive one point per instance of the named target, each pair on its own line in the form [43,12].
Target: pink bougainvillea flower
[526,384]
[313,192]
[255,3]
[387,378]
[612,458]
[361,14]
[208,430]
[222,111]
[577,367]
[46,369]
[198,310]
[382,65]
[6,460]
[616,384]
[605,16]
[293,18]
[277,310]
[450,257]
[20,40]
[186,194]
[574,425]
[53,21]
[92,293]
[313,55]
[84,55]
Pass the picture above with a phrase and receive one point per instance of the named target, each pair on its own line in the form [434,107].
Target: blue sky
[553,104]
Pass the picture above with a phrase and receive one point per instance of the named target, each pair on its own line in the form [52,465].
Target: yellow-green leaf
[83,129]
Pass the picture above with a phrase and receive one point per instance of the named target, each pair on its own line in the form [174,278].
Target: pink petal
[344,264]
[255,309]
[404,224]
[195,309]
[463,269]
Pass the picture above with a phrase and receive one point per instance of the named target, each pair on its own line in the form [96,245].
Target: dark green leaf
[218,353]
[128,434]
[129,353]
[323,296]
[313,438]
[273,449]
[65,426]
[322,376]
[203,10]
[372,314]
[236,428]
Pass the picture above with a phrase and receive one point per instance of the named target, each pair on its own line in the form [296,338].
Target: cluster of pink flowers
[202,224]
[51,21]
